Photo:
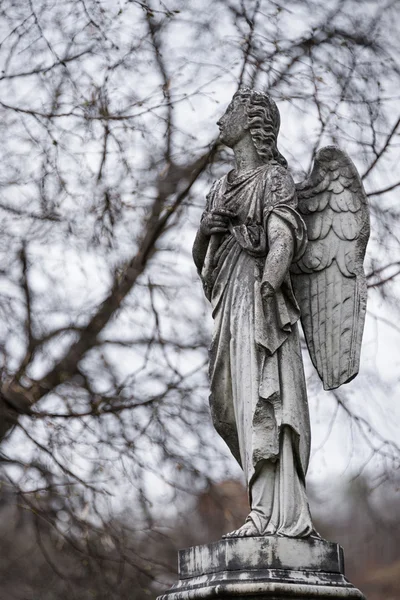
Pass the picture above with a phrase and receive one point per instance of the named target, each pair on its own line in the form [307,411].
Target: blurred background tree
[108,147]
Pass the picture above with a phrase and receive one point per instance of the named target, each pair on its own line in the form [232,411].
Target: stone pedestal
[262,568]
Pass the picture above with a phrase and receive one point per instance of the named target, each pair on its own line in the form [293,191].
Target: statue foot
[246,530]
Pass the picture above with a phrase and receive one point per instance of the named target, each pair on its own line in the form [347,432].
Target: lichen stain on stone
[266,432]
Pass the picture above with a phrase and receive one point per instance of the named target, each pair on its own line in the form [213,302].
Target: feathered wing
[329,280]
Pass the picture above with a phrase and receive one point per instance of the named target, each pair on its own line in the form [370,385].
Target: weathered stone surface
[269,591]
[261,591]
[264,567]
[236,554]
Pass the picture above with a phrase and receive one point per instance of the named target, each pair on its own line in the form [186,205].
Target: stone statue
[270,252]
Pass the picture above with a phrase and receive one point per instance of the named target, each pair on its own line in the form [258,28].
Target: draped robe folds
[258,394]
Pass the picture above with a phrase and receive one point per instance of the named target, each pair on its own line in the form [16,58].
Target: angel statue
[270,252]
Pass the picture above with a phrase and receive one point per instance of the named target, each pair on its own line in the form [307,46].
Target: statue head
[258,114]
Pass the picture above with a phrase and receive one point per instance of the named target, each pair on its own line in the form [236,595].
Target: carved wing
[329,280]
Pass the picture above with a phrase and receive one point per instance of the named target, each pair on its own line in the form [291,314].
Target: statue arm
[286,231]
[280,255]
[200,247]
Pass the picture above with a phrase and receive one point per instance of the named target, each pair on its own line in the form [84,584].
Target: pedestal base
[262,568]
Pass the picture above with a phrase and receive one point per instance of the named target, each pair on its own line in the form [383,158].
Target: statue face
[233,124]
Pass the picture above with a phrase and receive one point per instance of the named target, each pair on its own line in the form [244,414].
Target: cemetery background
[108,111]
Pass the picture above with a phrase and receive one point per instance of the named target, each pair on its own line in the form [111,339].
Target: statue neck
[246,156]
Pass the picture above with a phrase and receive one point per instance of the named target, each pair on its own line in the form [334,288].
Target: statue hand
[215,222]
[267,291]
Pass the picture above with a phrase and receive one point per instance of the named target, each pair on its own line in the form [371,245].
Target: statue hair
[264,122]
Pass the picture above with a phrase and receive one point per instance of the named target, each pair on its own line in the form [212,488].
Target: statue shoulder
[280,187]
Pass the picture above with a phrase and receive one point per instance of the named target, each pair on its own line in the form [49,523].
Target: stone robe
[258,393]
